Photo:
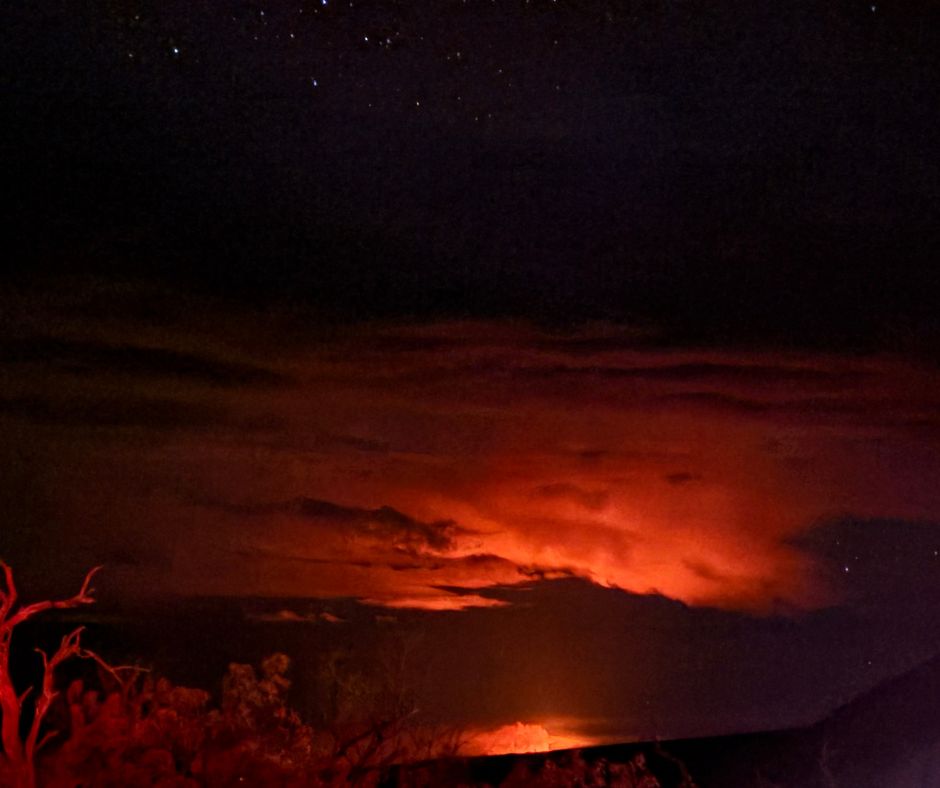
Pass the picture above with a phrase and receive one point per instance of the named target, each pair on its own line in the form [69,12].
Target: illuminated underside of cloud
[420,466]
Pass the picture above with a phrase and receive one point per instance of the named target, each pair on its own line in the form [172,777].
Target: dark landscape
[888,736]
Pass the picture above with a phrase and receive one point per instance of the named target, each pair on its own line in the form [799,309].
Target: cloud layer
[420,465]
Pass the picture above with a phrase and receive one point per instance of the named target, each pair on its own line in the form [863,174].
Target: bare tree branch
[113,670]
[45,739]
[20,754]
[83,597]
[69,647]
[8,597]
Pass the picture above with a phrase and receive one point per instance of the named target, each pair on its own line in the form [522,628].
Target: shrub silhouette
[149,732]
[131,730]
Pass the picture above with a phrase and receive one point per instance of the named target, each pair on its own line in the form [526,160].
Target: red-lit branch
[83,597]
[18,755]
[69,647]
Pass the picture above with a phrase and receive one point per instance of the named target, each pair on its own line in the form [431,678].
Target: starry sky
[732,171]
[608,327]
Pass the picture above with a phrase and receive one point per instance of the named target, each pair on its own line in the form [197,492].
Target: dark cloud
[702,372]
[682,477]
[384,525]
[592,345]
[418,344]
[593,455]
[480,565]
[907,412]
[473,564]
[261,553]
[704,570]
[148,412]
[910,408]
[359,444]
[716,401]
[99,358]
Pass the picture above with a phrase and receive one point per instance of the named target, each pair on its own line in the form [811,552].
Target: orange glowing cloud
[421,466]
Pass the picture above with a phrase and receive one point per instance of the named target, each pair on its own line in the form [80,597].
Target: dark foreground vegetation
[122,726]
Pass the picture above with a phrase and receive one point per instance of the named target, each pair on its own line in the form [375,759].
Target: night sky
[595,342]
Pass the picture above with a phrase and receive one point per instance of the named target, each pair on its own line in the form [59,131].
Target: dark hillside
[888,737]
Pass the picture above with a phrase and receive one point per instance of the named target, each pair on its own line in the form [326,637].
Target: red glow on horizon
[519,738]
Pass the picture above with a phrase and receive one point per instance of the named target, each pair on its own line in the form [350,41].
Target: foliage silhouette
[130,730]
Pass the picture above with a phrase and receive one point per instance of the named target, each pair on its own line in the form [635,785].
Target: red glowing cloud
[417,467]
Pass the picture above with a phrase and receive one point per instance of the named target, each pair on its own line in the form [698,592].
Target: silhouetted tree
[19,750]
